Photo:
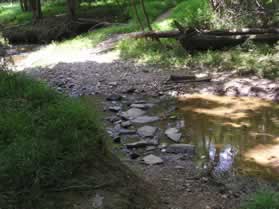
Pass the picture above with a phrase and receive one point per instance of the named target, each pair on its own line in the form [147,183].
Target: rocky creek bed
[152,138]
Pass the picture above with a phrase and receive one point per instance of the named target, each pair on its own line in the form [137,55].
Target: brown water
[239,134]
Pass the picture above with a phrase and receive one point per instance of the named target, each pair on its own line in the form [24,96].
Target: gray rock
[132,113]
[142,143]
[142,106]
[126,124]
[130,90]
[147,131]
[145,119]
[114,97]
[152,160]
[173,134]
[115,108]
[114,83]
[112,119]
[150,148]
[134,155]
[181,148]
[116,139]
[98,202]
[124,131]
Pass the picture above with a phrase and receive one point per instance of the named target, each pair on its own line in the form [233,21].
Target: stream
[231,135]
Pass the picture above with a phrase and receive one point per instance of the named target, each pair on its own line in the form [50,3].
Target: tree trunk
[25,5]
[146,15]
[137,14]
[36,9]
[72,7]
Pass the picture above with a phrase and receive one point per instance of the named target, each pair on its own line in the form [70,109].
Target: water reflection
[229,131]
[226,159]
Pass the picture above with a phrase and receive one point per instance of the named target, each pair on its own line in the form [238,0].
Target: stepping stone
[152,160]
[126,124]
[132,113]
[134,155]
[147,131]
[114,108]
[145,119]
[124,131]
[116,139]
[142,106]
[181,148]
[142,143]
[150,148]
[114,97]
[173,134]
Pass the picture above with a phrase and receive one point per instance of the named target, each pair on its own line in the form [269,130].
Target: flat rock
[147,131]
[126,124]
[114,97]
[150,148]
[130,90]
[116,139]
[145,119]
[181,148]
[114,108]
[142,143]
[124,131]
[134,155]
[132,113]
[152,160]
[142,106]
[173,134]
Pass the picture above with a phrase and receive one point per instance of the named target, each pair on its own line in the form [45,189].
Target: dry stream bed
[202,145]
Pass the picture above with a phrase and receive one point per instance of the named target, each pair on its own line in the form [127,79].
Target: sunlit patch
[164,24]
[53,54]
[237,125]
[222,106]
[257,134]
[275,120]
[265,155]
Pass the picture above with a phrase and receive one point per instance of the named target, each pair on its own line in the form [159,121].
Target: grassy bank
[262,200]
[45,137]
[247,58]
[51,143]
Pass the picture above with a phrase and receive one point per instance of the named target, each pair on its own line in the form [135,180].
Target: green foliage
[45,137]
[192,13]
[262,200]
[12,14]
[168,52]
[248,58]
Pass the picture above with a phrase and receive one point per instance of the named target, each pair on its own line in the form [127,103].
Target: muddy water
[239,134]
[233,135]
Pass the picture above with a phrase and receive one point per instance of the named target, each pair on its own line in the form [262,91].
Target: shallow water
[236,134]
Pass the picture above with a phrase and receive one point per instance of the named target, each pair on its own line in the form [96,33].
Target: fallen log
[177,33]
[201,41]
[154,34]
[204,40]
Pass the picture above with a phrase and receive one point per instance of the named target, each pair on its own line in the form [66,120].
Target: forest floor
[101,72]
